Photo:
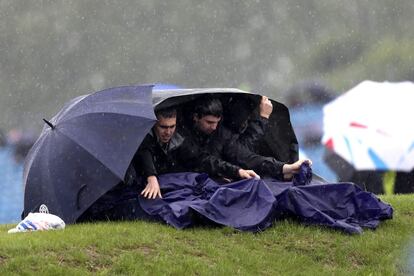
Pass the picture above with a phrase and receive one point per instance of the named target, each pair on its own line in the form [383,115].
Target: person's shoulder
[224,132]
[177,140]
[148,141]
[149,137]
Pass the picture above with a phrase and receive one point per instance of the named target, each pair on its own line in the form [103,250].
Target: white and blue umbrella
[371,126]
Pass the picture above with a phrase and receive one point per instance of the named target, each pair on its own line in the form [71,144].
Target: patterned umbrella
[370,126]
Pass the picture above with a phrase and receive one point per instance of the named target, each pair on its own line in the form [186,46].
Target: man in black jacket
[160,152]
[212,141]
[224,152]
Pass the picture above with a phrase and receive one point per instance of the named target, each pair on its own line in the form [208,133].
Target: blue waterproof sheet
[254,205]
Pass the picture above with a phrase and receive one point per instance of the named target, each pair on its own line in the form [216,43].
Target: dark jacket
[212,151]
[244,150]
[154,158]
[252,132]
[223,153]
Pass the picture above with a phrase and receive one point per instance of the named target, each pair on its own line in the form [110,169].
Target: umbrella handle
[78,195]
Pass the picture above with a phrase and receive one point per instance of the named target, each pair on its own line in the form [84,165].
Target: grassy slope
[150,248]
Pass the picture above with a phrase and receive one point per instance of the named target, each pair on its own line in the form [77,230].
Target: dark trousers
[121,203]
[404,183]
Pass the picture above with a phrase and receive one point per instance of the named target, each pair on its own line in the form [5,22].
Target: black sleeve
[216,166]
[271,167]
[144,158]
[198,159]
[238,153]
[254,132]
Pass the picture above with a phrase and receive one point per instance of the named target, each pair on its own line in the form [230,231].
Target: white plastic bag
[39,222]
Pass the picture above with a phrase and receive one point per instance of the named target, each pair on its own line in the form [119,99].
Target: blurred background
[301,53]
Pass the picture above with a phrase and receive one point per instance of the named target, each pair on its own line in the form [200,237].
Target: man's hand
[266,107]
[246,174]
[152,190]
[290,169]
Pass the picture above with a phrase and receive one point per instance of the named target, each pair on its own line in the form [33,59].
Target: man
[210,139]
[227,152]
[266,165]
[160,153]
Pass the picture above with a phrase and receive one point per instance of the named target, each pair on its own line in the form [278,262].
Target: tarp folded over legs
[342,206]
[188,198]
[253,205]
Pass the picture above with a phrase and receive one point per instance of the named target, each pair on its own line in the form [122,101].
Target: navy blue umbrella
[86,149]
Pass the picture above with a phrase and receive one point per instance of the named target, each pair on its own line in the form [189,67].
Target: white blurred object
[303,155]
[39,222]
[370,126]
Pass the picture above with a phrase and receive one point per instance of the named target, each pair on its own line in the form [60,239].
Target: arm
[201,160]
[144,164]
[196,159]
[143,159]
[214,165]
[256,127]
[152,189]
[240,154]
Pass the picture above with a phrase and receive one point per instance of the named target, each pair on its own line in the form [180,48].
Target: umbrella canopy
[369,126]
[280,139]
[85,150]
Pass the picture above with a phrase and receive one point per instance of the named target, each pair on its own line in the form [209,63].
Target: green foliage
[141,248]
[388,60]
[335,54]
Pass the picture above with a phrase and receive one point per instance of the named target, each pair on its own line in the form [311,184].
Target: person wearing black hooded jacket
[225,152]
[163,150]
[212,141]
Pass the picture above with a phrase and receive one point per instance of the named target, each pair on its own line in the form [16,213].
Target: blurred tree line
[52,51]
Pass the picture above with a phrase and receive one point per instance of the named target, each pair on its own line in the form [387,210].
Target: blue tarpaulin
[254,204]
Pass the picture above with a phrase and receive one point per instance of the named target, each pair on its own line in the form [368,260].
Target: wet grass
[141,248]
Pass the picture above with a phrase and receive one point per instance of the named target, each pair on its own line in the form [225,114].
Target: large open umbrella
[370,126]
[86,149]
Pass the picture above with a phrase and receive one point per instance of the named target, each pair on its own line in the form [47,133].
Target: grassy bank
[150,248]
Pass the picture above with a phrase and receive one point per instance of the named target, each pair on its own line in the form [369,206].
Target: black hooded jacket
[243,150]
[212,152]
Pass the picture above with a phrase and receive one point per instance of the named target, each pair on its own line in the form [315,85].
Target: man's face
[207,124]
[165,128]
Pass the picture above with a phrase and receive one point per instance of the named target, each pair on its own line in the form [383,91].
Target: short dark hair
[169,112]
[208,105]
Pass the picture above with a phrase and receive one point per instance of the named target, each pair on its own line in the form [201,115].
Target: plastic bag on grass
[39,222]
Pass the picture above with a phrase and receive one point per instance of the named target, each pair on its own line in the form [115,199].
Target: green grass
[141,248]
